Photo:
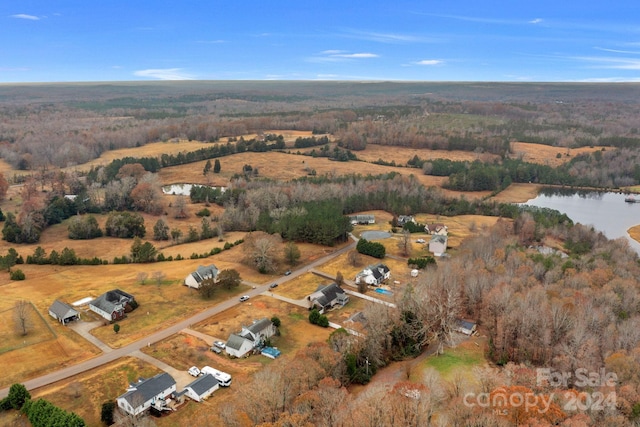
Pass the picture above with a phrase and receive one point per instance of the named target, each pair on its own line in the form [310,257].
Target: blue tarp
[270,352]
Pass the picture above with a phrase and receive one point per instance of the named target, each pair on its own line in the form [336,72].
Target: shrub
[17,275]
[106,415]
[18,394]
[314,316]
[203,212]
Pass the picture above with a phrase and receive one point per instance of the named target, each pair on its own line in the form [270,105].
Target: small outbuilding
[62,312]
[201,388]
[465,327]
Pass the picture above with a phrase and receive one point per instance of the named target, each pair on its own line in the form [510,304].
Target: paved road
[115,354]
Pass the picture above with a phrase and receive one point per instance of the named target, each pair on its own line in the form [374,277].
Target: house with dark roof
[327,297]
[62,312]
[373,275]
[250,337]
[202,274]
[201,388]
[112,305]
[465,327]
[148,393]
[438,244]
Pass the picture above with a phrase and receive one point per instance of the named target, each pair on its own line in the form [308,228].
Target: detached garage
[63,313]
[201,388]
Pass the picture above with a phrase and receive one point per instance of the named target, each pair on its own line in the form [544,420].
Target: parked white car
[194,371]
[243,298]
[220,344]
[421,241]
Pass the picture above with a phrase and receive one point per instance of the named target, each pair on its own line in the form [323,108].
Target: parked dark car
[273,285]
[288,272]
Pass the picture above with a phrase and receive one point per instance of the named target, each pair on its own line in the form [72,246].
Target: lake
[606,212]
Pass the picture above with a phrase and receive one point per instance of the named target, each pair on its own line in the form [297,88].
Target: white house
[250,337]
[362,219]
[112,305]
[438,244]
[373,275]
[195,279]
[201,388]
[146,393]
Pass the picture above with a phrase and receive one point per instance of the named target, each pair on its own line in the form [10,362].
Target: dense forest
[63,125]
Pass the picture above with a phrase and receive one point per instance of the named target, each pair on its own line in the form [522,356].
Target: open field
[401,155]
[548,155]
[460,359]
[517,193]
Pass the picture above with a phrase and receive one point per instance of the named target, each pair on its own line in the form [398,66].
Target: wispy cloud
[610,80]
[535,21]
[430,62]
[25,16]
[335,55]
[164,74]
[611,62]
[356,55]
[385,37]
[604,49]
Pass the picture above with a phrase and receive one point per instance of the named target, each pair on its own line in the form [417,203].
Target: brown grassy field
[548,155]
[634,232]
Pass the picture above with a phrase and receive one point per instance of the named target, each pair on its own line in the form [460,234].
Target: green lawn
[462,358]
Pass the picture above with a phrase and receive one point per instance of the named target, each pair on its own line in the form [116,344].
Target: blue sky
[507,40]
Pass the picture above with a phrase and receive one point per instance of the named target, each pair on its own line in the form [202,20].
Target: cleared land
[548,155]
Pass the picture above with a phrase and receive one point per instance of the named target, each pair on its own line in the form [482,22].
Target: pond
[184,189]
[606,212]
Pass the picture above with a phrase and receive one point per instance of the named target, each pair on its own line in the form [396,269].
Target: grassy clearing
[548,155]
[517,193]
[462,358]
[300,287]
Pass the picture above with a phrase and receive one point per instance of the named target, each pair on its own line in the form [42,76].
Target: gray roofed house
[147,393]
[438,244]
[195,279]
[202,387]
[112,305]
[328,296]
[250,337]
[465,327]
[62,312]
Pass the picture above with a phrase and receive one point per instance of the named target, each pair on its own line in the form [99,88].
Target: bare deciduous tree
[404,244]
[22,317]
